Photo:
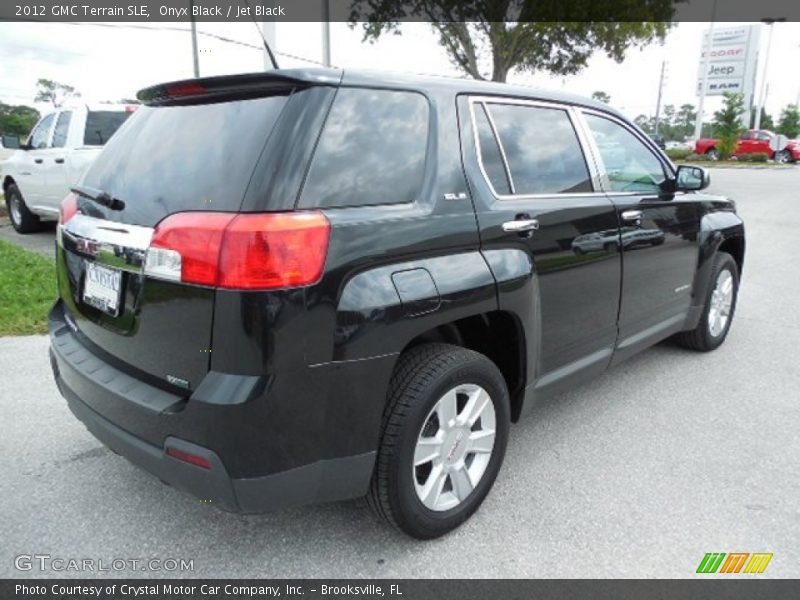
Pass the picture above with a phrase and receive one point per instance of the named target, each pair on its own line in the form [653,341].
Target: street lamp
[698,125]
[763,93]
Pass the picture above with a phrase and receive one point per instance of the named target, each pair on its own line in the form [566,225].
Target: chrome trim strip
[113,244]
[502,148]
[599,179]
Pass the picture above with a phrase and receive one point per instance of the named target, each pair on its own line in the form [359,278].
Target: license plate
[101,288]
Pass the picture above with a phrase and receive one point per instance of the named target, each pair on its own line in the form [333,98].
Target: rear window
[371,151]
[176,158]
[62,129]
[101,125]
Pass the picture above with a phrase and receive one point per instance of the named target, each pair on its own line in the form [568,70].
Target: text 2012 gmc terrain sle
[309,285]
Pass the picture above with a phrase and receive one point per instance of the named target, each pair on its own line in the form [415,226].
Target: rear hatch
[190,152]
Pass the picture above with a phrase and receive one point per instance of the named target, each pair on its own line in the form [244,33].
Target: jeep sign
[732,58]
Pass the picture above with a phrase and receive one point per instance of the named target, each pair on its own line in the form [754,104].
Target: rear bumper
[81,375]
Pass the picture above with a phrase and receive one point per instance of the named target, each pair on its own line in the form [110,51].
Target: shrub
[678,153]
[727,146]
[756,157]
[697,158]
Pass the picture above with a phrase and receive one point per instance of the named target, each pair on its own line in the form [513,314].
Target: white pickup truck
[59,149]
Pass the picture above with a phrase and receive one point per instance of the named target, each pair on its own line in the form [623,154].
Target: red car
[751,142]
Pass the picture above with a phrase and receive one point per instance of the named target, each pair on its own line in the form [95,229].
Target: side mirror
[11,142]
[691,179]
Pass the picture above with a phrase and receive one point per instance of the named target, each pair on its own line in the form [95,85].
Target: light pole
[797,102]
[763,93]
[658,102]
[326,33]
[195,58]
[698,126]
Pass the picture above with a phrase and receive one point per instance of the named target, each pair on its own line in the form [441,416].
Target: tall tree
[727,123]
[601,96]
[766,120]
[789,123]
[54,92]
[646,123]
[17,120]
[684,120]
[489,39]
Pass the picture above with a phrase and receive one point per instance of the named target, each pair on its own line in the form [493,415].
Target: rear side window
[62,128]
[542,149]
[167,159]
[101,125]
[371,151]
[491,158]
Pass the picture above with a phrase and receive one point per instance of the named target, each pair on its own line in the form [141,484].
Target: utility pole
[698,126]
[195,57]
[326,33]
[763,94]
[658,102]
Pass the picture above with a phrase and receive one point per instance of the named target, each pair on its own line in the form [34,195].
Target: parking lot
[639,474]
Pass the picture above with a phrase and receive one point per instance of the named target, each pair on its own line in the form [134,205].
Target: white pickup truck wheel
[22,219]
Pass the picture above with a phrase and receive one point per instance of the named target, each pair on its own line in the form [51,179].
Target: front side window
[630,165]
[371,151]
[62,128]
[41,133]
[542,149]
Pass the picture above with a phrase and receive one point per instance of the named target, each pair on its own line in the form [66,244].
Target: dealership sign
[732,59]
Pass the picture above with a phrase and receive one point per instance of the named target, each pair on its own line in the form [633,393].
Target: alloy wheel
[719,309]
[14,209]
[454,447]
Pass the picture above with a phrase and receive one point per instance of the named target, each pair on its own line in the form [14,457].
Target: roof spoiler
[250,85]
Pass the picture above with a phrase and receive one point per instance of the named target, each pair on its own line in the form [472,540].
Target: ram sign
[732,61]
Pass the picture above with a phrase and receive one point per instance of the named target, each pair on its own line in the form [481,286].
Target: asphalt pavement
[669,456]
[41,241]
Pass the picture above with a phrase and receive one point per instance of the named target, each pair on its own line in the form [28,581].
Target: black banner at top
[398,10]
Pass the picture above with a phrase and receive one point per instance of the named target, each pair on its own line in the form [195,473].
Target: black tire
[422,376]
[22,219]
[712,153]
[784,157]
[700,338]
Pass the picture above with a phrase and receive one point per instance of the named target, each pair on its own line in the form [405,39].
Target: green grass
[27,290]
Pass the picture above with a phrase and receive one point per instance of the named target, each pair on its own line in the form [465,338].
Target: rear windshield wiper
[99,196]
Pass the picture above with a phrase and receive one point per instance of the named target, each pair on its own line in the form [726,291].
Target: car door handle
[521,225]
[38,161]
[631,215]
[59,161]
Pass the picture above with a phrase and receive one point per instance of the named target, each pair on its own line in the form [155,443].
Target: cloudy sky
[112,61]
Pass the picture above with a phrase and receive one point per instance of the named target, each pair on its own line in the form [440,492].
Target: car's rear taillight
[246,251]
[68,209]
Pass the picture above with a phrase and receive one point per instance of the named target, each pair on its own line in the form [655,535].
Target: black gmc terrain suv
[310,285]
